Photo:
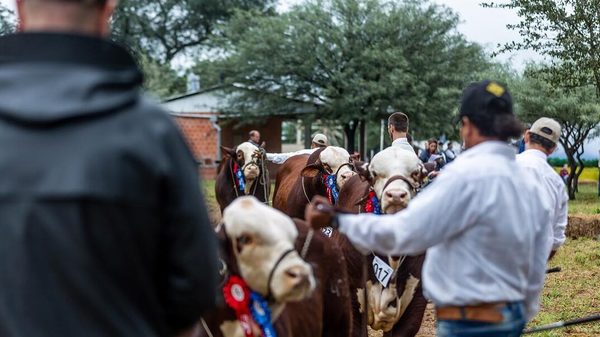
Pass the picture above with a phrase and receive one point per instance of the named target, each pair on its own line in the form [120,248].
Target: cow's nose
[396,196]
[297,275]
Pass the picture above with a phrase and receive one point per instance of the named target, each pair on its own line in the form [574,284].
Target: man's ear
[228,152]
[362,168]
[312,170]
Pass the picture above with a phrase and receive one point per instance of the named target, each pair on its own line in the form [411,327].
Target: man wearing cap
[486,251]
[319,141]
[541,141]
[104,229]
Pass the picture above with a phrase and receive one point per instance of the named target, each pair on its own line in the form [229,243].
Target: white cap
[320,139]
[547,128]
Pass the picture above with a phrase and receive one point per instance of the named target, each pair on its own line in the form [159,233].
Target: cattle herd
[312,284]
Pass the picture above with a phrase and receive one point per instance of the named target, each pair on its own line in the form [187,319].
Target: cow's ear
[420,174]
[362,168]
[228,152]
[312,170]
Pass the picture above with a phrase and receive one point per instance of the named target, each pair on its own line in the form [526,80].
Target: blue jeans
[512,326]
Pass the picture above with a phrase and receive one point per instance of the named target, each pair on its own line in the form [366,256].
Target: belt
[485,312]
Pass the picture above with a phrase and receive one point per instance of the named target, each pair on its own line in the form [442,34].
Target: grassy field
[589,174]
[587,201]
[575,291]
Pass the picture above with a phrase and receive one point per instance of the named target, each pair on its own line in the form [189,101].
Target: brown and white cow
[302,177]
[393,176]
[261,245]
[248,160]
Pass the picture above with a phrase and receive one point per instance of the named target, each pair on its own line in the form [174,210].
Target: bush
[559,162]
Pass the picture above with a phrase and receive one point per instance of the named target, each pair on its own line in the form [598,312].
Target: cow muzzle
[395,199]
[251,171]
[292,280]
[343,175]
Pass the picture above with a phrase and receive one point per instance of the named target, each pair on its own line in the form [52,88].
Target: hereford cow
[302,177]
[242,172]
[386,186]
[261,245]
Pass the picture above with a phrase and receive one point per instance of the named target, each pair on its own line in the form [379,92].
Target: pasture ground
[572,293]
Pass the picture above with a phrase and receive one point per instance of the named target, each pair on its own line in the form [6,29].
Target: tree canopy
[353,60]
[6,20]
[162,29]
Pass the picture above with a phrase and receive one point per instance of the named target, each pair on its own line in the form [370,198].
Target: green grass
[587,201]
[574,292]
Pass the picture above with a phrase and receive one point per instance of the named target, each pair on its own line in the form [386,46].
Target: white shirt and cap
[488,242]
[536,163]
[319,139]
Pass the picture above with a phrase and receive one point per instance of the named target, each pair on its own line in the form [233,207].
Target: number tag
[382,271]
[328,231]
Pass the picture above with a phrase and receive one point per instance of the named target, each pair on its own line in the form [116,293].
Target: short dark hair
[544,142]
[399,121]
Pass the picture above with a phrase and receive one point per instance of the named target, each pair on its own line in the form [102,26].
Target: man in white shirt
[398,131]
[486,245]
[540,141]
[319,141]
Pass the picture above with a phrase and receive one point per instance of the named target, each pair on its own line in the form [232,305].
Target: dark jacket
[103,228]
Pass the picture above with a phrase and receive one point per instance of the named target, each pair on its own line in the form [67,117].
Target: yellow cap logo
[495,89]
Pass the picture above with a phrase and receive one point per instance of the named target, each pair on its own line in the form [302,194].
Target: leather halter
[224,271]
[413,187]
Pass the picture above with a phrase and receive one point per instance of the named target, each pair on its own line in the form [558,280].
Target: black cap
[484,98]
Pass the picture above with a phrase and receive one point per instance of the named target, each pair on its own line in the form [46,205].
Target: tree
[567,31]
[7,20]
[160,80]
[576,109]
[353,61]
[164,28]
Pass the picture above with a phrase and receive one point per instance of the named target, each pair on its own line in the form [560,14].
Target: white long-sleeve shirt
[280,158]
[403,144]
[536,163]
[482,224]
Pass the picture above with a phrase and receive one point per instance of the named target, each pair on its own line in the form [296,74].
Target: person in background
[483,224]
[254,138]
[541,141]
[104,227]
[319,141]
[432,146]
[564,173]
[412,144]
[398,130]
[450,154]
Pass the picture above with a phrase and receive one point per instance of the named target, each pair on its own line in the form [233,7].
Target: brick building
[206,130]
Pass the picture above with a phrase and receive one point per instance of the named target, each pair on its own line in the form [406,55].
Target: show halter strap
[272,273]
[331,185]
[414,188]
[261,313]
[237,297]
[240,181]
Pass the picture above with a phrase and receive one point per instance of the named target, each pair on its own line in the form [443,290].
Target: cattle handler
[482,223]
[103,226]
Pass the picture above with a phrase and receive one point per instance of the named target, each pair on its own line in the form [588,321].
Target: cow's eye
[245,239]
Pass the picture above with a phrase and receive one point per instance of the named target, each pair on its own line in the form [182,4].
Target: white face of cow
[261,236]
[391,162]
[333,159]
[247,154]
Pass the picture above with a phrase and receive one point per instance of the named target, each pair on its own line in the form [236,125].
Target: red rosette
[237,297]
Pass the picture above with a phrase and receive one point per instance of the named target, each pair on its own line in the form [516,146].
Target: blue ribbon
[332,185]
[261,314]
[376,206]
[241,180]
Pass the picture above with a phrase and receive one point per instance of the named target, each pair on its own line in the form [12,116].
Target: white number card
[382,271]
[328,231]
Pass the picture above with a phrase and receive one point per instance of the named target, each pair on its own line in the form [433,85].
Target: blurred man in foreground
[104,228]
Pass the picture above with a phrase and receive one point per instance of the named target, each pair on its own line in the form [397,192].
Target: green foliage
[559,162]
[352,60]
[7,20]
[565,30]
[164,28]
[160,80]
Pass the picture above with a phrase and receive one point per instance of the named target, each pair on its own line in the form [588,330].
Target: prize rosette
[372,204]
[237,297]
[262,314]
